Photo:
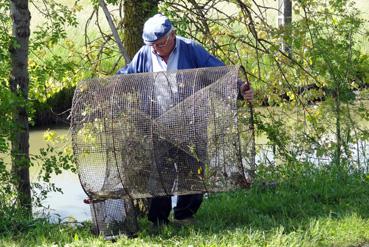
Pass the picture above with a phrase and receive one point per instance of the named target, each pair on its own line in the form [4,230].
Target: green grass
[308,207]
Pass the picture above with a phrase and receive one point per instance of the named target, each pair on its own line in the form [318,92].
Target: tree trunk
[19,81]
[337,108]
[136,12]
[284,19]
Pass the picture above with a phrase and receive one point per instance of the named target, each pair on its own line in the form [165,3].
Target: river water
[69,204]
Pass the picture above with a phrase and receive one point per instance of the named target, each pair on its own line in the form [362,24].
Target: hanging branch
[114,31]
[252,129]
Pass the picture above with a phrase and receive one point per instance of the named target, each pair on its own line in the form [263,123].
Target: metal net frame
[154,134]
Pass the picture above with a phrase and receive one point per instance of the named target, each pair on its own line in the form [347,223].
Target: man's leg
[163,175]
[187,206]
[190,179]
[159,209]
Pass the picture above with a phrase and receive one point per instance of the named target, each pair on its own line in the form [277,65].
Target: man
[165,51]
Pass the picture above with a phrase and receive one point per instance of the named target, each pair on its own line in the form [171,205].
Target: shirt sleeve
[139,64]
[204,58]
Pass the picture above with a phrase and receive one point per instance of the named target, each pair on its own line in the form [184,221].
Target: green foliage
[50,72]
[325,54]
[329,53]
[52,161]
[50,32]
[315,90]
[12,217]
[5,40]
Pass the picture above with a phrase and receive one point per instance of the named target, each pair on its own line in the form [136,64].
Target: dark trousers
[187,206]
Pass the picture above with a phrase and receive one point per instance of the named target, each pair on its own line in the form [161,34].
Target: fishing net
[155,134]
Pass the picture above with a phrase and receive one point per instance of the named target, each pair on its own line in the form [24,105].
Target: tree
[102,54]
[135,15]
[285,19]
[19,80]
[18,87]
[327,66]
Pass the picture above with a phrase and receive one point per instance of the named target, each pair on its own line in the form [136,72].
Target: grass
[308,207]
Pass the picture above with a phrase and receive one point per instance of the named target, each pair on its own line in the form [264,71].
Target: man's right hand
[247,92]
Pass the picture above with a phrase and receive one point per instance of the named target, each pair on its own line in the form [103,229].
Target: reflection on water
[70,203]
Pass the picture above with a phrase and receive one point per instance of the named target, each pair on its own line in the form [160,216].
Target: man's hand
[247,92]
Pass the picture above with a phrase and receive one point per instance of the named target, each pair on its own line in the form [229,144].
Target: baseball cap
[155,28]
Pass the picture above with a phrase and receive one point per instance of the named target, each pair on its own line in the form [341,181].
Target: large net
[154,134]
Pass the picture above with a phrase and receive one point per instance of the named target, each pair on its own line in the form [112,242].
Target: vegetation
[311,188]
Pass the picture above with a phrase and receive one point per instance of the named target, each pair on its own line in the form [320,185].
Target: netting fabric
[153,134]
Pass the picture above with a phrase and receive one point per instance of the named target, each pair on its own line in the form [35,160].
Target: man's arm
[139,64]
[205,59]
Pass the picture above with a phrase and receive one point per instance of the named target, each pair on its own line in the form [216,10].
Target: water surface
[69,204]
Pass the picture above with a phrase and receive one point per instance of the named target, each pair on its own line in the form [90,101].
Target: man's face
[164,46]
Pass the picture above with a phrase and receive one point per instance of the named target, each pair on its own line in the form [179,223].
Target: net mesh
[108,217]
[154,134]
